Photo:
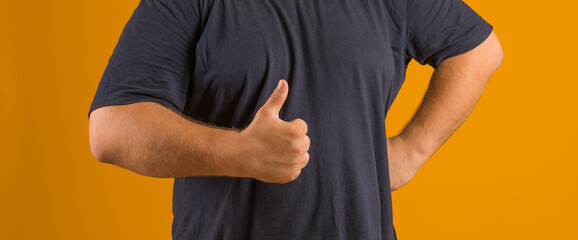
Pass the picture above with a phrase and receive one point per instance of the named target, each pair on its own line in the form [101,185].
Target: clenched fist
[278,148]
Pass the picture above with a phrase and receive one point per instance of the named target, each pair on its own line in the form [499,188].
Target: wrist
[227,149]
[423,140]
[220,151]
[417,152]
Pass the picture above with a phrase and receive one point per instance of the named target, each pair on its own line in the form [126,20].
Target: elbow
[99,149]
[100,138]
[495,52]
[499,55]
[108,145]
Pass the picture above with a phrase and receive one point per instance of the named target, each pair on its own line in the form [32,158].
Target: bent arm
[152,140]
[455,87]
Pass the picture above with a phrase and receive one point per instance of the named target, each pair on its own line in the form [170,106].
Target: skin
[151,140]
[455,88]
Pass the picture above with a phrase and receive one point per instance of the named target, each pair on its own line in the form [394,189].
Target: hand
[277,149]
[403,162]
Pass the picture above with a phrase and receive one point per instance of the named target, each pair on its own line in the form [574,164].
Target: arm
[151,140]
[455,87]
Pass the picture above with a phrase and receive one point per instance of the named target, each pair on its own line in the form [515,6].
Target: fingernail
[280,86]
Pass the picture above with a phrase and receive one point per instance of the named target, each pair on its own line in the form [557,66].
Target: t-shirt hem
[95,105]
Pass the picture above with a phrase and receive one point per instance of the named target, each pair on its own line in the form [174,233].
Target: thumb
[277,98]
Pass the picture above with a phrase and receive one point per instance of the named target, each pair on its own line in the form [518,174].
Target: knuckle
[277,96]
[298,123]
[301,124]
[292,176]
[294,132]
[305,127]
[297,148]
[304,161]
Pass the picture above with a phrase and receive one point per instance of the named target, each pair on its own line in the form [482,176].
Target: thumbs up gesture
[278,148]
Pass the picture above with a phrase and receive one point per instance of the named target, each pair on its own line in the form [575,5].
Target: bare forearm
[454,90]
[151,140]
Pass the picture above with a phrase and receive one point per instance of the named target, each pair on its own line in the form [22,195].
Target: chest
[247,45]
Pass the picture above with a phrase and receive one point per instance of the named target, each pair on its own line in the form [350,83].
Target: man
[193,92]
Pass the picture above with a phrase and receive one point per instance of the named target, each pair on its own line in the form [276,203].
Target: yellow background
[508,173]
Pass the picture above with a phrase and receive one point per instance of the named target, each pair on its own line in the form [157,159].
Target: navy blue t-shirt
[218,61]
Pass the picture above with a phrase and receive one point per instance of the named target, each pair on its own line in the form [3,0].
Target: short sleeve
[153,57]
[440,29]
